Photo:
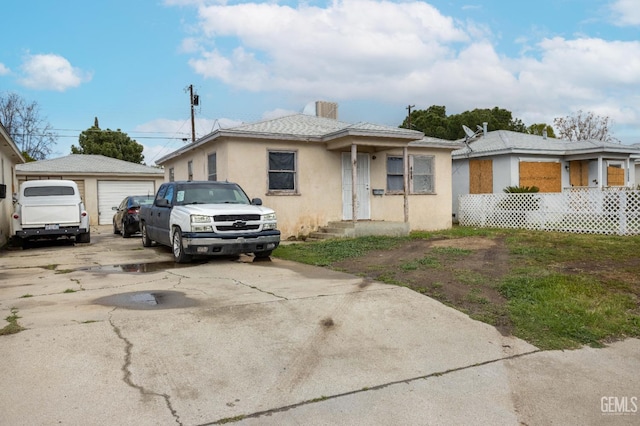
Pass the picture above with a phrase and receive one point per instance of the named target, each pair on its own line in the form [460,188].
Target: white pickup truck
[208,218]
[50,209]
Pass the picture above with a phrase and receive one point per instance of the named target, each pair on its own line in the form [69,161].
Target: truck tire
[178,250]
[84,238]
[262,254]
[146,241]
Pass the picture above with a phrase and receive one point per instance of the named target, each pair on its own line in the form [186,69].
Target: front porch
[361,228]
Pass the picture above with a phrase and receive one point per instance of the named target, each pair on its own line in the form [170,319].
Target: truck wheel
[178,250]
[146,241]
[124,232]
[262,254]
[84,238]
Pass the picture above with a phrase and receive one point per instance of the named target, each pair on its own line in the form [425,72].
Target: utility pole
[195,101]
[409,116]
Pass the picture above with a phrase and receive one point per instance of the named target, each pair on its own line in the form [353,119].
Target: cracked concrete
[273,343]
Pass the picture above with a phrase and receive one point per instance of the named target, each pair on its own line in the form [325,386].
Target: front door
[362,187]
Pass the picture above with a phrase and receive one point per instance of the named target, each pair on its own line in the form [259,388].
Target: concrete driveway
[117,334]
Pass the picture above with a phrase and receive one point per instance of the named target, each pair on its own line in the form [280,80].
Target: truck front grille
[237,228]
[234,217]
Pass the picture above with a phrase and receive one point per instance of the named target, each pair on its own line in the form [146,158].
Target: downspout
[354,181]
[405,161]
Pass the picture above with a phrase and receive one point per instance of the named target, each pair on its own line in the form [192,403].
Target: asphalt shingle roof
[504,141]
[80,163]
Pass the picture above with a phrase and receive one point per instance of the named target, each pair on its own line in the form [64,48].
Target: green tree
[539,128]
[434,121]
[33,135]
[110,143]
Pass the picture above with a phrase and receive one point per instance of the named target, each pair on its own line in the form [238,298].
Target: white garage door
[112,192]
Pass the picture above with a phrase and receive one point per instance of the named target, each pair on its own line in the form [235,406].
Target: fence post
[623,213]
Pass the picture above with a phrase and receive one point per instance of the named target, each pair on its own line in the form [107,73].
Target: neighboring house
[103,181]
[636,159]
[10,156]
[304,167]
[495,160]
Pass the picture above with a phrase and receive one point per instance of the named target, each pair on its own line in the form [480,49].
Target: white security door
[112,192]
[363,202]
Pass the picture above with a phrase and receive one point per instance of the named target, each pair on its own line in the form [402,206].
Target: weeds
[13,327]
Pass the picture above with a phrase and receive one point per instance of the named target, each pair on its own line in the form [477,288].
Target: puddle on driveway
[147,300]
[138,267]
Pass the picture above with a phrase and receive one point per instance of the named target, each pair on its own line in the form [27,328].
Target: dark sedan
[126,220]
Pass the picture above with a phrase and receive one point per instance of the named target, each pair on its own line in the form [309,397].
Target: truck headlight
[269,216]
[201,223]
[200,218]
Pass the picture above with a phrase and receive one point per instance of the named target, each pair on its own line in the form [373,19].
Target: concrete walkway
[117,334]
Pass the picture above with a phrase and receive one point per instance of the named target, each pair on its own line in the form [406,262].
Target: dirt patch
[462,272]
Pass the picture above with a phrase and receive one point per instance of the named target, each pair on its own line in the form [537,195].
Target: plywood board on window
[579,173]
[615,176]
[544,175]
[480,176]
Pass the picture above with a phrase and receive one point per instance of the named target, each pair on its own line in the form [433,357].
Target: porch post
[405,162]
[354,181]
[600,185]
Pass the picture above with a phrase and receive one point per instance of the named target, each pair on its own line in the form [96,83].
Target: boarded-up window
[615,176]
[579,173]
[480,176]
[544,175]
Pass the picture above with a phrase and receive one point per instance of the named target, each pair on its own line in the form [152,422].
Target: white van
[50,209]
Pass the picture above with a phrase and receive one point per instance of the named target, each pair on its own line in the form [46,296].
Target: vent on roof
[327,109]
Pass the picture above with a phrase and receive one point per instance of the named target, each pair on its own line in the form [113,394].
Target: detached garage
[103,181]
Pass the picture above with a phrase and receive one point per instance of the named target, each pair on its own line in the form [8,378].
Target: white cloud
[626,12]
[51,72]
[409,52]
[4,70]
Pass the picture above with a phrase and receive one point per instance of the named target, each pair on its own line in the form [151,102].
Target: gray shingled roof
[80,163]
[304,125]
[301,127]
[507,142]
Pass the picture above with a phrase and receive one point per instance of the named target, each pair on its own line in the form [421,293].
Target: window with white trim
[282,171]
[421,174]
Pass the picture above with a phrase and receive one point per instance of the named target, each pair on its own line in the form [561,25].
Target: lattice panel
[583,210]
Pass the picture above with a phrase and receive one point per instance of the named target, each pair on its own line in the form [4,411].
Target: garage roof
[88,164]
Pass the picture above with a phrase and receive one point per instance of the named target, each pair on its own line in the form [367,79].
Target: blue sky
[129,63]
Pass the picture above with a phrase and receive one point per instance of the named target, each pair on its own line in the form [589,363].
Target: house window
[171,175]
[212,167]
[190,170]
[395,179]
[421,174]
[282,171]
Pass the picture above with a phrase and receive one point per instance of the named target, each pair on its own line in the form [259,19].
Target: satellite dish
[470,133]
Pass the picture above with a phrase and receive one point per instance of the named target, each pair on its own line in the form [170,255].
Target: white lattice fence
[584,210]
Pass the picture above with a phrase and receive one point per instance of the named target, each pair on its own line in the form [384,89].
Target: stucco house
[10,157]
[305,166]
[103,181]
[492,161]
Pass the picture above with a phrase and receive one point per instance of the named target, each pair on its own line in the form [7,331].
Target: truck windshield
[44,191]
[208,193]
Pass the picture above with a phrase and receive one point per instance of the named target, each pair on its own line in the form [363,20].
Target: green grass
[547,306]
[13,327]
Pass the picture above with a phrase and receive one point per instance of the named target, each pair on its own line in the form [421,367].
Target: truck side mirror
[163,202]
[256,201]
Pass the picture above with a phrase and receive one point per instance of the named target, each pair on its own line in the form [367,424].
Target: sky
[130,63]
